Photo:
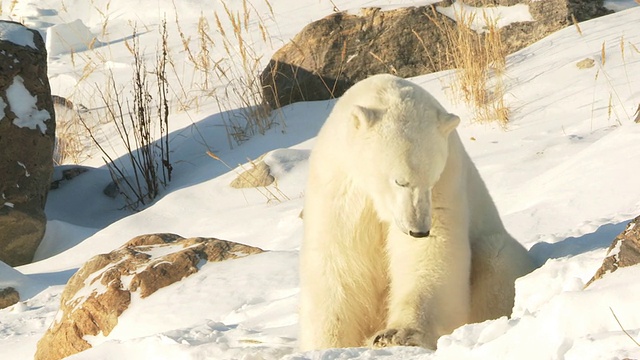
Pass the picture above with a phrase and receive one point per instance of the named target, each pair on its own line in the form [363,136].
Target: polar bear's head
[400,143]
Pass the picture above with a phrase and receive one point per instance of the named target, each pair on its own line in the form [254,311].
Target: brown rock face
[102,289]
[27,132]
[330,55]
[624,251]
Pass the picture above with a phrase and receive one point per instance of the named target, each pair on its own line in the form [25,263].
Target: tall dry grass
[141,121]
[219,63]
[71,143]
[227,70]
[615,105]
[479,60]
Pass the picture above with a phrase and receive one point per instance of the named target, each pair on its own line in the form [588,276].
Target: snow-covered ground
[563,175]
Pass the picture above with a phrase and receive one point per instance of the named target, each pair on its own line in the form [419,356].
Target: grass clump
[141,125]
[230,75]
[478,56]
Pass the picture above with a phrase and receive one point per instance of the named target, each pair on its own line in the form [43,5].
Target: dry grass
[12,6]
[615,102]
[243,75]
[230,75]
[480,64]
[219,66]
[142,126]
[71,137]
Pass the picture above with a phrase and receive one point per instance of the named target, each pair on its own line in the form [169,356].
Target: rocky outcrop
[330,55]
[27,133]
[103,288]
[624,251]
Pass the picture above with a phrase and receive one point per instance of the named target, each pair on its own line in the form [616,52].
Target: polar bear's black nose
[419,234]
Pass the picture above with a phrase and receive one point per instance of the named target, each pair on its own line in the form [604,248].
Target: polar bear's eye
[402,183]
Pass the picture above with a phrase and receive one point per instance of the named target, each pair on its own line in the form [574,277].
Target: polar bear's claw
[397,337]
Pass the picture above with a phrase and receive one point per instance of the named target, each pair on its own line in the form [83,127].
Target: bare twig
[622,328]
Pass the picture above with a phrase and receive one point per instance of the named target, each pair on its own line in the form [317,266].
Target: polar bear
[402,241]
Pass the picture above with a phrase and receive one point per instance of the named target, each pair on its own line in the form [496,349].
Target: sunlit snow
[563,176]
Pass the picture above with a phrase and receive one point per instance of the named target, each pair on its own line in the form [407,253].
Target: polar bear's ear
[364,117]
[448,122]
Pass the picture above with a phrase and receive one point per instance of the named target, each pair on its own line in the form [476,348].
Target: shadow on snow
[572,246]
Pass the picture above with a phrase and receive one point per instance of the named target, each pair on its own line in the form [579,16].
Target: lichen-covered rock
[103,288]
[27,133]
[330,55]
[624,251]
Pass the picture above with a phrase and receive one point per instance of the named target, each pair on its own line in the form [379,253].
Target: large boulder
[27,133]
[624,251]
[102,289]
[330,55]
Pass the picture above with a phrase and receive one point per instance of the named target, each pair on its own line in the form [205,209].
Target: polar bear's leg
[344,282]
[429,294]
[498,260]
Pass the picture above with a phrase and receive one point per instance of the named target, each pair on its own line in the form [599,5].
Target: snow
[69,37]
[563,176]
[3,106]
[23,105]
[501,16]
[17,34]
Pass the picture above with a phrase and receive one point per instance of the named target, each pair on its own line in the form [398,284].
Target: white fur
[389,163]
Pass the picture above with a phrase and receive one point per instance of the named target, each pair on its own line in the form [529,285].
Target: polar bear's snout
[419,234]
[414,215]
[417,227]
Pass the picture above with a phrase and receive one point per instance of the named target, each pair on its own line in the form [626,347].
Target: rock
[333,53]
[270,167]
[67,173]
[330,55]
[103,288]
[549,16]
[112,190]
[585,63]
[258,175]
[70,37]
[8,297]
[27,133]
[624,251]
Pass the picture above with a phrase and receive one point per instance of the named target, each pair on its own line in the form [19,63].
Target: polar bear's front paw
[397,337]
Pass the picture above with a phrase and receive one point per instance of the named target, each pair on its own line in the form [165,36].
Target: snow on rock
[624,251]
[27,134]
[275,165]
[23,105]
[107,284]
[481,16]
[69,37]
[17,34]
